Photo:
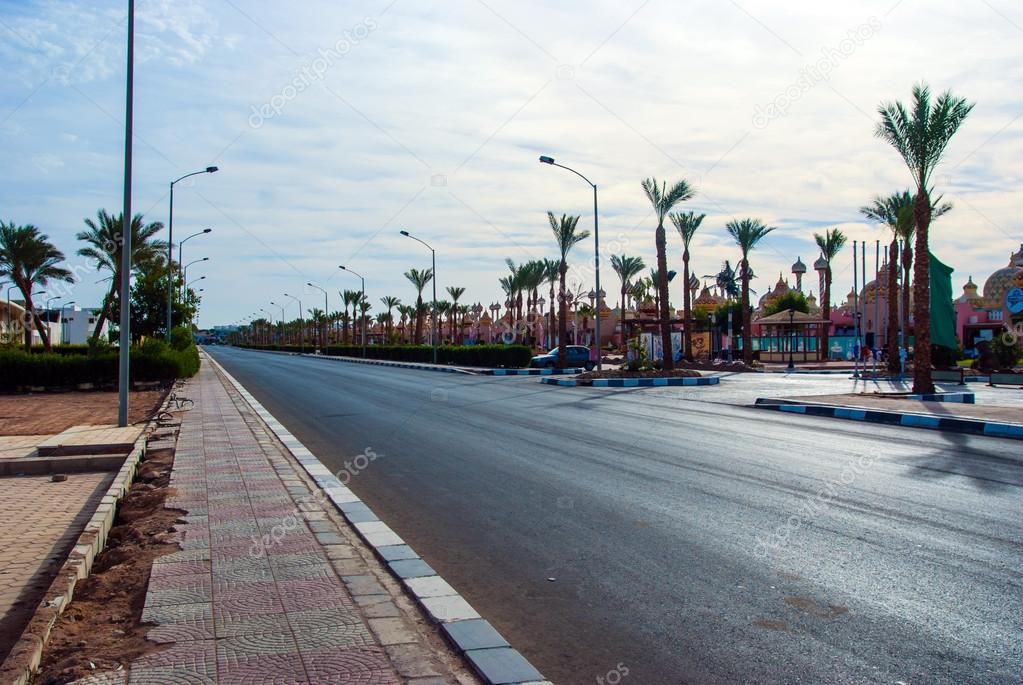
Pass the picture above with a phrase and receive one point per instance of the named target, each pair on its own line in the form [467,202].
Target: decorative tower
[821,267]
[798,269]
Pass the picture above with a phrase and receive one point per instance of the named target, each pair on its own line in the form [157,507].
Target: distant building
[70,325]
[79,324]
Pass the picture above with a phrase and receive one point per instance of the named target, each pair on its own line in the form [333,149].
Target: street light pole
[124,352]
[301,323]
[62,308]
[170,242]
[194,261]
[281,307]
[433,314]
[362,323]
[792,318]
[326,308]
[181,279]
[596,248]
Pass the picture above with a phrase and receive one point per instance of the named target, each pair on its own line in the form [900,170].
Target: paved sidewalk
[269,585]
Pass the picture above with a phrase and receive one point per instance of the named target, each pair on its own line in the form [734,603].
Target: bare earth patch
[101,630]
[48,413]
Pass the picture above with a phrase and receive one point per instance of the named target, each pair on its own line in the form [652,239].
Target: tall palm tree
[686,225]
[419,280]
[29,259]
[350,298]
[407,312]
[663,200]
[830,244]
[551,275]
[390,302]
[921,137]
[726,281]
[746,233]
[566,236]
[104,238]
[455,292]
[364,318]
[627,268]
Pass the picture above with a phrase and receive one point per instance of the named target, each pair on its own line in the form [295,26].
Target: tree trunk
[907,280]
[826,329]
[686,308]
[893,307]
[105,311]
[667,359]
[747,337]
[562,320]
[419,319]
[621,322]
[922,298]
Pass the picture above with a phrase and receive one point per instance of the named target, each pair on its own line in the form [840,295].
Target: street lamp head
[404,233]
[206,230]
[211,169]
[342,268]
[310,285]
[544,159]
[205,259]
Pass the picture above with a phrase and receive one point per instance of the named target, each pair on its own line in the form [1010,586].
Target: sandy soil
[102,624]
[48,413]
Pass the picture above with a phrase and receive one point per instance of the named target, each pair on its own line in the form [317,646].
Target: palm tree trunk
[747,337]
[686,311]
[826,328]
[667,360]
[562,320]
[907,280]
[921,298]
[419,319]
[621,322]
[893,307]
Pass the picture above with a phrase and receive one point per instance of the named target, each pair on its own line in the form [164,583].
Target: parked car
[575,355]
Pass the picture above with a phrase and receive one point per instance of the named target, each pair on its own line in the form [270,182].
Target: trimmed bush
[63,350]
[490,356]
[19,370]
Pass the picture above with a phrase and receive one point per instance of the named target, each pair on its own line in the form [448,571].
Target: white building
[79,323]
[70,325]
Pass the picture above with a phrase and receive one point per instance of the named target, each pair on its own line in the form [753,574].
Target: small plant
[638,360]
[1007,350]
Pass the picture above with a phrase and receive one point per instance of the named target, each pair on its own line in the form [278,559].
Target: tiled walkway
[238,610]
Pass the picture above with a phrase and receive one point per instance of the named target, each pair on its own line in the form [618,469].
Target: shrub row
[491,356]
[19,370]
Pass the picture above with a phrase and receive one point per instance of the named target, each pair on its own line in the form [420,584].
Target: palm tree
[318,318]
[726,281]
[350,298]
[390,302]
[455,292]
[663,200]
[419,280]
[686,225]
[627,268]
[830,244]
[746,233]
[364,318]
[104,237]
[407,312]
[29,259]
[567,237]
[921,137]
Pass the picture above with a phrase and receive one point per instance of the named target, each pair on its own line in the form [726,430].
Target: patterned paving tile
[357,666]
[278,669]
[300,595]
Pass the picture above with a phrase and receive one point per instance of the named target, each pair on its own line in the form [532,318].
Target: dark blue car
[575,356]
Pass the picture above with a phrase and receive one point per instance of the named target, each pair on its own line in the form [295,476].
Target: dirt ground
[47,413]
[101,625]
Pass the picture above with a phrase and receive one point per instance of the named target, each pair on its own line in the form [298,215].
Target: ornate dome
[706,300]
[780,288]
[998,283]
[799,267]
[868,292]
[811,302]
[821,264]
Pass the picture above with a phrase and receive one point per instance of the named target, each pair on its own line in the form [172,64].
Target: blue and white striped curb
[476,639]
[529,372]
[961,397]
[631,382]
[891,418]
[400,365]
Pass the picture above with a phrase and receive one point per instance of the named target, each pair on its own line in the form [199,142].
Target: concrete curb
[632,382]
[907,419]
[476,639]
[960,397]
[26,654]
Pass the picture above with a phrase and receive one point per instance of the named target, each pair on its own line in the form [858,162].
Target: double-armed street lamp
[433,315]
[184,277]
[170,241]
[301,322]
[181,278]
[362,323]
[326,309]
[544,159]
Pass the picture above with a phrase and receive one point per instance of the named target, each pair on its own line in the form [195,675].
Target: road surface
[655,536]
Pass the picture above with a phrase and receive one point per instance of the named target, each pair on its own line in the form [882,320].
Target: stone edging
[957,425]
[26,655]
[529,372]
[633,382]
[475,638]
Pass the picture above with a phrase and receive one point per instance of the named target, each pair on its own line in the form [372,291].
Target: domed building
[998,284]
[768,298]
[980,316]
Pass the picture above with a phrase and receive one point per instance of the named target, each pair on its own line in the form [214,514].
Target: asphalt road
[678,536]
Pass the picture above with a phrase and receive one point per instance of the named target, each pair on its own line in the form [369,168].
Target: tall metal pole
[433,254]
[596,269]
[301,323]
[863,300]
[124,352]
[856,315]
[877,302]
[170,261]
[902,324]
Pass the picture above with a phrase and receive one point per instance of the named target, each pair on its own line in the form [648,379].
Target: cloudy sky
[335,125]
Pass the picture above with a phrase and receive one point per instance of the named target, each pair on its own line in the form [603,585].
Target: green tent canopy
[943,314]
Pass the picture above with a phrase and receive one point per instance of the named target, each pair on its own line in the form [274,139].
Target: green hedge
[490,356]
[64,350]
[19,370]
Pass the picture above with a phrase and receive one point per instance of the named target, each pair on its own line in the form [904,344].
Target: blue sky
[335,125]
